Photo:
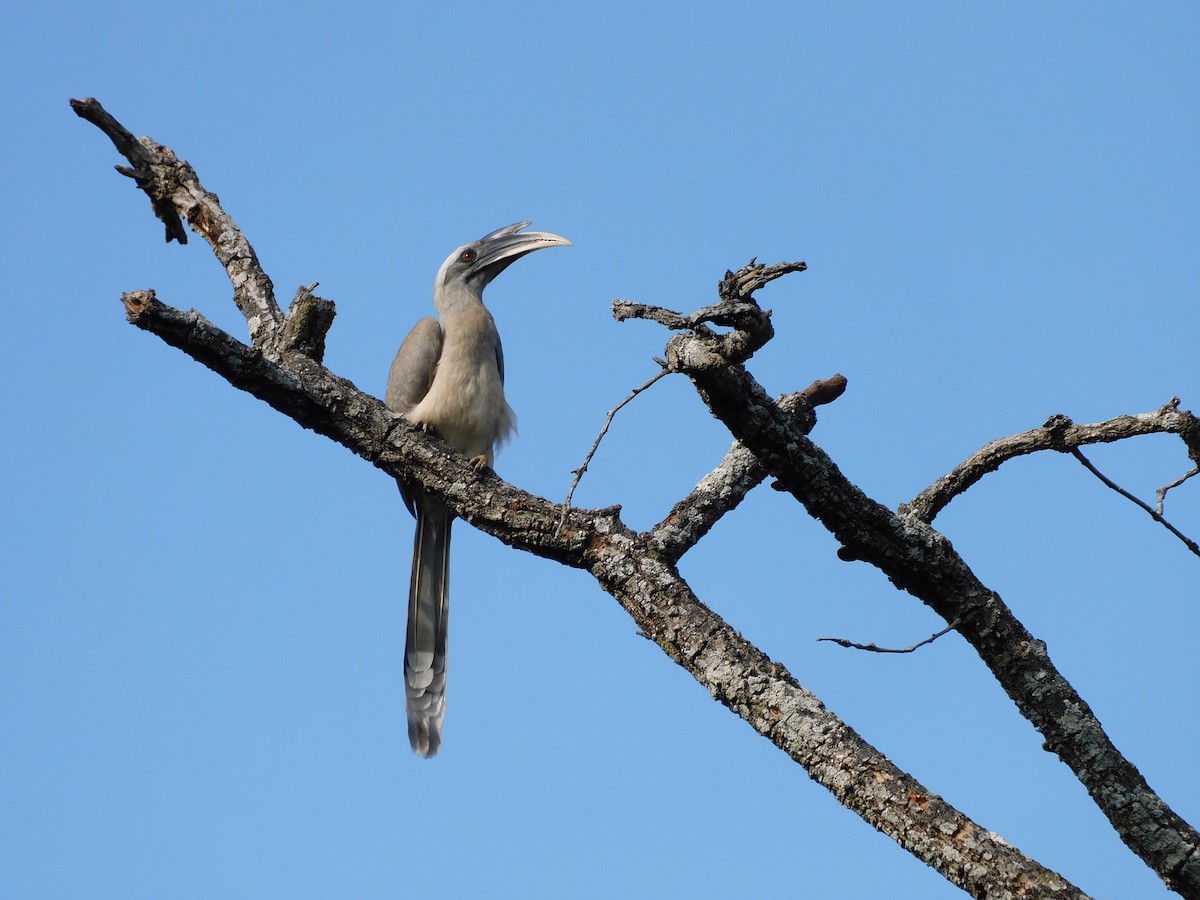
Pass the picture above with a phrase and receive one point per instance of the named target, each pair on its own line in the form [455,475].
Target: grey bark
[281,366]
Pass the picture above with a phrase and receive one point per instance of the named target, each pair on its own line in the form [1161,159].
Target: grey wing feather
[500,358]
[412,374]
[414,366]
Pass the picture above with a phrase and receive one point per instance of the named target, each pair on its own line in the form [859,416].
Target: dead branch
[723,489]
[174,191]
[919,560]
[1058,433]
[308,320]
[758,689]
[651,590]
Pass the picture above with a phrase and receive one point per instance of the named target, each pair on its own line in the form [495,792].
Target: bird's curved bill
[506,245]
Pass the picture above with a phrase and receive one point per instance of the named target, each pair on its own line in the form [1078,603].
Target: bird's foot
[479,462]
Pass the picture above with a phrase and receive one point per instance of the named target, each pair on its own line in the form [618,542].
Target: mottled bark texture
[281,366]
[921,561]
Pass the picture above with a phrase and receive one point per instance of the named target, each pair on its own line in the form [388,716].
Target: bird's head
[474,265]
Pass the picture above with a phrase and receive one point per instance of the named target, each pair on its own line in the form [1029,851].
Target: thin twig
[1188,542]
[578,473]
[842,642]
[1162,491]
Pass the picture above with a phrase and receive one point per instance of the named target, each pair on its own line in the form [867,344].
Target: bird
[448,378]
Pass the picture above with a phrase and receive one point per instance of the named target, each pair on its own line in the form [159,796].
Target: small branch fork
[920,560]
[771,441]
[1161,493]
[1155,515]
[650,589]
[723,489]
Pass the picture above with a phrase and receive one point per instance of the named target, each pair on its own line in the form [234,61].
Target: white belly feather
[465,405]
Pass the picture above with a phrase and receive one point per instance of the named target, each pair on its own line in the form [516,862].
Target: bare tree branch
[918,559]
[735,672]
[724,488]
[286,375]
[175,190]
[146,170]
[720,491]
[1058,433]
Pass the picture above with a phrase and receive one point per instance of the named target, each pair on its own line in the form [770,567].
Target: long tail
[428,608]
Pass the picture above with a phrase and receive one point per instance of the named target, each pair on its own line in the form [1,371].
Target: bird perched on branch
[448,377]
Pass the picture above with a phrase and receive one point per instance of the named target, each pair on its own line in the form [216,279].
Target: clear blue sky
[201,628]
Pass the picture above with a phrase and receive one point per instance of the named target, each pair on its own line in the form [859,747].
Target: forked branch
[1061,434]
[918,559]
[638,569]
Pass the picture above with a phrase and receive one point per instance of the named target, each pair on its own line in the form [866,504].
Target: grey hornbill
[448,377]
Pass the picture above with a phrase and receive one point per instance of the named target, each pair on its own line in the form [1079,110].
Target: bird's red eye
[468,256]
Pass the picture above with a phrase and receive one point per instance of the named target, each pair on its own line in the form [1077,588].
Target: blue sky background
[202,623]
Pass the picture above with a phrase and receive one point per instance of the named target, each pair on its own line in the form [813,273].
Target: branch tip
[137,302]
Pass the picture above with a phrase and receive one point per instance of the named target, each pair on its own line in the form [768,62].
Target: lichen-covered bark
[921,561]
[174,191]
[282,368]
[1059,433]
[765,694]
[744,679]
